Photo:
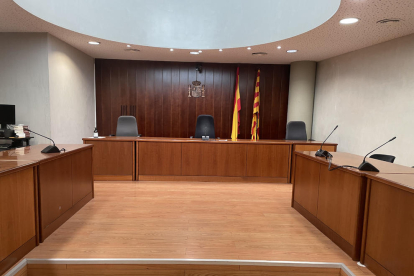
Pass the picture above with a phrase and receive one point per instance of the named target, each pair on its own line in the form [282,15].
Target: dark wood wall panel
[156,94]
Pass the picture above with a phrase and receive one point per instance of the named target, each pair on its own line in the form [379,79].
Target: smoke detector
[259,54]
[388,20]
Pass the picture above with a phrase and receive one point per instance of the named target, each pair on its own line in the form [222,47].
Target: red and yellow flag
[236,110]
[256,105]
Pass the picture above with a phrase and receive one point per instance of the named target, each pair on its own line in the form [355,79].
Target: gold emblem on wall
[196,90]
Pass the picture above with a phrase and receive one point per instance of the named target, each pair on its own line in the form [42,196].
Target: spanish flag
[236,111]
[256,105]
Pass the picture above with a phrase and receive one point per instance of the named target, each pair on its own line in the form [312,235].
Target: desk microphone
[325,153]
[366,166]
[48,149]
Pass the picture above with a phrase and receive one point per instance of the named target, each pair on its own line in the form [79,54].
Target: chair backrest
[296,130]
[205,126]
[127,126]
[383,157]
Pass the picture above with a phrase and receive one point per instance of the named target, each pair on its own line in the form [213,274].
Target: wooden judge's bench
[191,159]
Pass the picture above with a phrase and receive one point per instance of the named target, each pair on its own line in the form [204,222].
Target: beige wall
[24,80]
[71,86]
[301,93]
[369,93]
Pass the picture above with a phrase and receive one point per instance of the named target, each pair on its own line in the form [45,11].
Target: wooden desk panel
[17,210]
[82,178]
[341,205]
[268,161]
[158,158]
[213,159]
[307,184]
[113,160]
[388,233]
[55,190]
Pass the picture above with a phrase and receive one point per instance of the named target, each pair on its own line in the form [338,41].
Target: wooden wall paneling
[177,96]
[155,93]
[55,189]
[17,210]
[150,100]
[307,184]
[217,77]
[191,103]
[213,159]
[140,84]
[183,111]
[339,204]
[158,158]
[268,160]
[82,179]
[283,103]
[389,238]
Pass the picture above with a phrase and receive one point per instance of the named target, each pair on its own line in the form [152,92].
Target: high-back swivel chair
[296,130]
[127,126]
[205,126]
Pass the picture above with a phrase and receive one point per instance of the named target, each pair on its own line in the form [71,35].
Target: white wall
[301,93]
[24,80]
[369,93]
[71,85]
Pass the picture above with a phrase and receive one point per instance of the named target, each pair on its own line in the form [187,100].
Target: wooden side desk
[334,201]
[18,210]
[152,158]
[388,235]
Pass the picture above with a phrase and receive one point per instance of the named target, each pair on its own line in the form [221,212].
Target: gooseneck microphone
[48,149]
[324,153]
[366,166]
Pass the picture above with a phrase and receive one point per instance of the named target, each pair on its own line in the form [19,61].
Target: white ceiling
[186,24]
[328,40]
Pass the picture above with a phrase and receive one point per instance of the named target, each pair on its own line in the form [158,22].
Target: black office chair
[383,157]
[205,126]
[127,126]
[296,130]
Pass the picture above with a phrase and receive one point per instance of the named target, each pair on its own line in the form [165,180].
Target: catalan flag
[256,105]
[236,110]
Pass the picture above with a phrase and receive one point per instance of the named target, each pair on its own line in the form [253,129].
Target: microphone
[325,153]
[48,149]
[366,166]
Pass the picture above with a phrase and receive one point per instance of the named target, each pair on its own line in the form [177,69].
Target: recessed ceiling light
[171,50]
[194,53]
[221,50]
[94,42]
[200,51]
[248,48]
[279,47]
[128,46]
[349,20]
[291,51]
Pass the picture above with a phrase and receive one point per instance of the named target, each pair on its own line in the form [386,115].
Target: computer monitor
[7,115]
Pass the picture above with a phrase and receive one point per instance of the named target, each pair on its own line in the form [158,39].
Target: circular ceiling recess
[186,24]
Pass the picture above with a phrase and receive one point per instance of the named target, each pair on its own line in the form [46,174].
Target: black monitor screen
[7,114]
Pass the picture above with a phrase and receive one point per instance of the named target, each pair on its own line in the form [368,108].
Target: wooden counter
[334,201]
[388,235]
[38,193]
[152,158]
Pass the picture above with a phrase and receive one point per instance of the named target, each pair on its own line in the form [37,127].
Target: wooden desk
[388,235]
[335,201]
[18,209]
[38,193]
[151,158]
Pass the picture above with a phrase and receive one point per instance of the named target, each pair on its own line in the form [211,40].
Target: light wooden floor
[192,220]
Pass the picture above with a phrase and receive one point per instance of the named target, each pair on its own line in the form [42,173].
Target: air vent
[132,50]
[259,54]
[389,20]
